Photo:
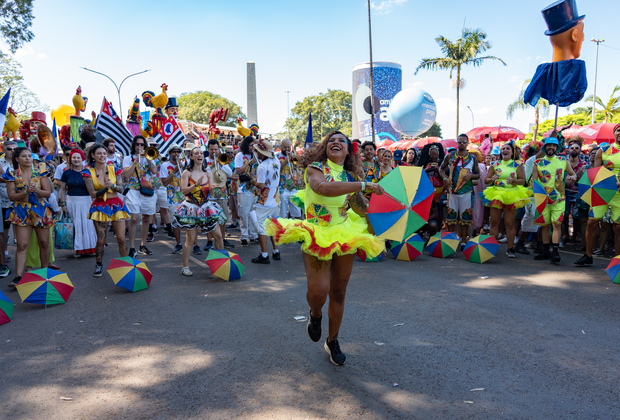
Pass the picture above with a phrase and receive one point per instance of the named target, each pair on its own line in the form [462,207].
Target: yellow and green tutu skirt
[323,242]
[508,198]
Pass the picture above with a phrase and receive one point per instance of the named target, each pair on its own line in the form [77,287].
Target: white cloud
[416,84]
[386,6]
[515,79]
[484,110]
[28,51]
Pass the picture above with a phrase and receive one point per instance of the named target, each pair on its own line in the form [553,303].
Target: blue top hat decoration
[172,102]
[561,16]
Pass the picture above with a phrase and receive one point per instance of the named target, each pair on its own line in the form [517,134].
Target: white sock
[276,251]
[264,254]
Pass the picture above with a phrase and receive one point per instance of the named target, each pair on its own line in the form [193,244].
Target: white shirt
[268,173]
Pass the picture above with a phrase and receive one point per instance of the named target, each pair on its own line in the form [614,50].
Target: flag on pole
[203,139]
[309,133]
[54,132]
[169,135]
[4,104]
[109,124]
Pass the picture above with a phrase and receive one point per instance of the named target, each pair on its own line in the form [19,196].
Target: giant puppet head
[565,29]
[172,109]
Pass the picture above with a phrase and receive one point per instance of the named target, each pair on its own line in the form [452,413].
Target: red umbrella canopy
[471,134]
[596,133]
[426,140]
[402,145]
[448,143]
[499,133]
[567,133]
[384,143]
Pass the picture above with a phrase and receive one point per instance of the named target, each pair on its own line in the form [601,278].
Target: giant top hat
[172,102]
[38,116]
[561,16]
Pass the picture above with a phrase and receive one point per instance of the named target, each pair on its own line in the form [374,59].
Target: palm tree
[542,107]
[458,54]
[609,110]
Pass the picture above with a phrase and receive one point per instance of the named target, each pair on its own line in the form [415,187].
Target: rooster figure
[216,116]
[241,129]
[12,124]
[158,102]
[78,101]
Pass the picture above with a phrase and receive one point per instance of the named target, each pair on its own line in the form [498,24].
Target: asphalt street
[428,339]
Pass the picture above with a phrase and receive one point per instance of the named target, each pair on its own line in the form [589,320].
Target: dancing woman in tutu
[103,183]
[332,232]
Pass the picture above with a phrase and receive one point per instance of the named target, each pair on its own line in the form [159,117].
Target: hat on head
[264,147]
[495,150]
[551,140]
[38,116]
[172,102]
[617,126]
[561,16]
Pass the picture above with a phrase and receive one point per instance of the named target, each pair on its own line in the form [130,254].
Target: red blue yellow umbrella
[542,196]
[6,309]
[613,270]
[442,244]
[225,265]
[408,250]
[130,274]
[481,249]
[364,257]
[405,206]
[45,287]
[597,186]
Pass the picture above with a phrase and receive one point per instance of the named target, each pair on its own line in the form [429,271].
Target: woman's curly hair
[318,153]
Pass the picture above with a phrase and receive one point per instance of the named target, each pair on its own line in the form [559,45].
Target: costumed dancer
[29,189]
[505,193]
[170,174]
[431,157]
[551,172]
[218,164]
[245,166]
[197,210]
[330,235]
[610,158]
[291,180]
[104,183]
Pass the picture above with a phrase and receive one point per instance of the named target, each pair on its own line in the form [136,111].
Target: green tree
[541,108]
[608,110]
[15,22]
[22,100]
[197,107]
[330,111]
[434,131]
[464,51]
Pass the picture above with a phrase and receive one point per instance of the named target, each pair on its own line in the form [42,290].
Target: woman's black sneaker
[336,355]
[314,328]
[14,282]
[583,261]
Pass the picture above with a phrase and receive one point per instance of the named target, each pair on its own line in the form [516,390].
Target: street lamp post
[472,117]
[118,87]
[598,41]
[288,114]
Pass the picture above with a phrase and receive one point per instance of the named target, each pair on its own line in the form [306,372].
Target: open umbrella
[45,287]
[566,132]
[499,133]
[613,270]
[364,257]
[542,197]
[426,140]
[408,250]
[225,265]
[481,249]
[448,143]
[6,309]
[404,207]
[402,145]
[597,186]
[384,143]
[130,274]
[471,134]
[596,133]
[442,244]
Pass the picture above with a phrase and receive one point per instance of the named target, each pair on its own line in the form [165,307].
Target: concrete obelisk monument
[252,113]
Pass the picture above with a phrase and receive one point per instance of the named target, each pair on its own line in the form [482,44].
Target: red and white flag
[110,125]
[170,134]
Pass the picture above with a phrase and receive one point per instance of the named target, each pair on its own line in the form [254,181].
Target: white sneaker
[502,240]
[186,272]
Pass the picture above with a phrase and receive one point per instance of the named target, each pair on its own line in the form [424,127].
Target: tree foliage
[22,100]
[330,111]
[608,110]
[197,107]
[464,51]
[576,119]
[15,22]
[434,131]
[541,108]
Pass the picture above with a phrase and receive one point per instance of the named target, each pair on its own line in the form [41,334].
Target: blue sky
[301,47]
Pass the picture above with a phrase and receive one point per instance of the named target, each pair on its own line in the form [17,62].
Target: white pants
[528,219]
[262,215]
[246,203]
[286,206]
[79,207]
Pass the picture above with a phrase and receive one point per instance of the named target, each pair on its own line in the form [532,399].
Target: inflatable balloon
[61,114]
[412,112]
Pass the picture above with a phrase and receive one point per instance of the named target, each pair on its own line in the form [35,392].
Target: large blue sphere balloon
[412,112]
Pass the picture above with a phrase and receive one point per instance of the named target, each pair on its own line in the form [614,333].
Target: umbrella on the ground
[481,249]
[6,309]
[613,270]
[364,257]
[597,186]
[408,250]
[404,207]
[442,244]
[225,265]
[596,133]
[45,287]
[130,274]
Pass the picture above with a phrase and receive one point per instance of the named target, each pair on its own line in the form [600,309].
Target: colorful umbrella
[6,309]
[613,270]
[225,265]
[481,249]
[364,257]
[442,244]
[408,250]
[542,197]
[596,133]
[45,287]
[597,186]
[130,274]
[404,207]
